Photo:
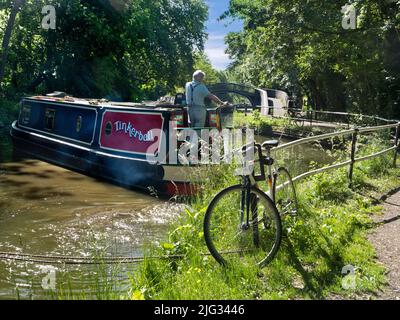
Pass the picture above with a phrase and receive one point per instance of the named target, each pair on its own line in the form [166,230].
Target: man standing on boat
[196,93]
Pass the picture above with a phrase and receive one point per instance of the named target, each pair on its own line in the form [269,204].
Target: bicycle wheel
[228,236]
[284,193]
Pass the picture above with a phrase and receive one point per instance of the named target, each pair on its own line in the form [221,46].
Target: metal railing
[354,133]
[346,119]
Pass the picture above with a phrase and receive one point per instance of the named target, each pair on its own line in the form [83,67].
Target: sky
[215,46]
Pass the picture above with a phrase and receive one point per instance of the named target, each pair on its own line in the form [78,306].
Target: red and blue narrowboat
[107,140]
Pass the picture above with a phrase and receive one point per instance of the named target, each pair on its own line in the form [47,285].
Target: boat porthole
[79,124]
[108,130]
[25,116]
[50,119]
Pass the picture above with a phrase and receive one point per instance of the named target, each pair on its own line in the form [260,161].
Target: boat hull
[126,172]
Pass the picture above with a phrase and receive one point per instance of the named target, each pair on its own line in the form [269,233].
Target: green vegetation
[121,50]
[301,47]
[329,233]
[265,126]
[8,112]
[130,50]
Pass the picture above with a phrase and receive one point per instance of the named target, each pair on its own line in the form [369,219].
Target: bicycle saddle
[271,144]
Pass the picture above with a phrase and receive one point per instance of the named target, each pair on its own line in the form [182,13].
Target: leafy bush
[8,112]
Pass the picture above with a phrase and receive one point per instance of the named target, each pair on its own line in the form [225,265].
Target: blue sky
[217,30]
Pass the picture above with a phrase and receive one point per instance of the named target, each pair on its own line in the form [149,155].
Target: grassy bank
[329,234]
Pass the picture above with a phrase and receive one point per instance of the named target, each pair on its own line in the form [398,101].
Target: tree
[17,5]
[128,50]
[301,47]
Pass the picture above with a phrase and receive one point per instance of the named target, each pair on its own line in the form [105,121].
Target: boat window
[79,124]
[25,115]
[50,119]
[108,129]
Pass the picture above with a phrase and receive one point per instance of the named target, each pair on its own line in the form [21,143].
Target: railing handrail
[354,132]
[314,138]
[342,114]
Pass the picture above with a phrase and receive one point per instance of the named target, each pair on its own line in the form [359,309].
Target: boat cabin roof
[160,105]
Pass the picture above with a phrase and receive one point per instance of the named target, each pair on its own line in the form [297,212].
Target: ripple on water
[48,210]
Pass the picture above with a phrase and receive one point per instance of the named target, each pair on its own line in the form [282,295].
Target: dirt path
[386,240]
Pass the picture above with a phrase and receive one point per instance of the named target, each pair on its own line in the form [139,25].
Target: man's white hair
[199,73]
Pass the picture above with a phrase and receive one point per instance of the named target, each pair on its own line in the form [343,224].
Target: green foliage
[8,111]
[301,46]
[327,188]
[266,125]
[377,166]
[130,50]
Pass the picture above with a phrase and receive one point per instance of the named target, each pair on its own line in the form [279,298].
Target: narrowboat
[106,140]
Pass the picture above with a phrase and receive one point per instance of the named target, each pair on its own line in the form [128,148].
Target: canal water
[48,210]
[45,209]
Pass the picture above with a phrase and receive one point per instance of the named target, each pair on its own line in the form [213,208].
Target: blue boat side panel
[75,123]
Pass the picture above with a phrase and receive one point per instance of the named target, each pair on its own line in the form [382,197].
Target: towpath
[386,240]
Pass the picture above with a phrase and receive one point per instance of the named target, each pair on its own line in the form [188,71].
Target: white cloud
[216,37]
[220,60]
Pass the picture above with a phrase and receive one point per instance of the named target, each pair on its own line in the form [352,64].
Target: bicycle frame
[265,161]
[251,180]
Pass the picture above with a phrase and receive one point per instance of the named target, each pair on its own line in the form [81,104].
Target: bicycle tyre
[208,234]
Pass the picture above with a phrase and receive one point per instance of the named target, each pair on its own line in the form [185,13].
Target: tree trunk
[7,36]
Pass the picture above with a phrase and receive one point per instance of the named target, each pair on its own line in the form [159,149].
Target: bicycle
[244,219]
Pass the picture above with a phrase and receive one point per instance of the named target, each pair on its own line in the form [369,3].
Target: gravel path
[386,240]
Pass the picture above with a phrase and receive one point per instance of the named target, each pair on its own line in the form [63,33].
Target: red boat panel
[131,132]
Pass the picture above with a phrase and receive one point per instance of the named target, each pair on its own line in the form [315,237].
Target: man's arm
[217,100]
